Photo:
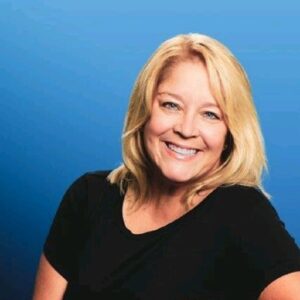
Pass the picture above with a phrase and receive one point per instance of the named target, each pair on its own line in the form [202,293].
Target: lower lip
[180,156]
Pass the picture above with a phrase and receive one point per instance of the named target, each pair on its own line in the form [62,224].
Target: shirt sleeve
[68,230]
[266,246]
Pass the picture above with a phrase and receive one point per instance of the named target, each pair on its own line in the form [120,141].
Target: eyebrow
[207,103]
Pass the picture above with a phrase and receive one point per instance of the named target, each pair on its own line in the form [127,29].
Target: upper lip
[182,146]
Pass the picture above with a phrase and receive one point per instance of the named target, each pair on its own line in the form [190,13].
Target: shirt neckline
[166,227]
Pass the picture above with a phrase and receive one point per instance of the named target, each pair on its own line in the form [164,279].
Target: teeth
[182,151]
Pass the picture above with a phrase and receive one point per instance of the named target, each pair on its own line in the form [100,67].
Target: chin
[178,178]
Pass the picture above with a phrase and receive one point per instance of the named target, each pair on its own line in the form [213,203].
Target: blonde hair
[243,160]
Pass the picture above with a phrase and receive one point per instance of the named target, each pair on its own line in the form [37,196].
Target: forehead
[188,80]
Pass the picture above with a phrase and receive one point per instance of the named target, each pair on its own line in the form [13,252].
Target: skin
[180,115]
[49,284]
[184,139]
[183,113]
[286,287]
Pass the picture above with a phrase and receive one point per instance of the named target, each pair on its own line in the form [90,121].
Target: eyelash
[211,115]
[170,105]
[174,106]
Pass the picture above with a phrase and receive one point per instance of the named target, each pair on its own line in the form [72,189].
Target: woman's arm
[49,285]
[286,287]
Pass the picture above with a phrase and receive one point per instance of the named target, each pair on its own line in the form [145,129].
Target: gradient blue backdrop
[66,72]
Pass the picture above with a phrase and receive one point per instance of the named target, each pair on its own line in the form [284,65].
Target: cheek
[156,127]
[150,135]
[215,137]
[151,140]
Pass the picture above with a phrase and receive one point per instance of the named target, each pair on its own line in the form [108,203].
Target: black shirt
[230,246]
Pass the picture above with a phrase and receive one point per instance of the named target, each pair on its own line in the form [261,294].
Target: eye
[170,105]
[211,115]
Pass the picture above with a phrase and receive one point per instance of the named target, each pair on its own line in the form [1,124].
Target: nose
[187,126]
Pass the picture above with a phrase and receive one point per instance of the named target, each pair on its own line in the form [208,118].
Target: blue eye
[211,115]
[170,105]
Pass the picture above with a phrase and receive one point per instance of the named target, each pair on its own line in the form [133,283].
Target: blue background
[66,73]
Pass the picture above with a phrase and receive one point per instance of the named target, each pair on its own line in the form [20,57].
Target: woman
[185,215]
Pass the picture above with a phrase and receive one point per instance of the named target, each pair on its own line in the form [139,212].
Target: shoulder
[83,183]
[75,218]
[238,200]
[239,192]
[254,223]
[84,192]
[248,209]
[99,176]
[258,236]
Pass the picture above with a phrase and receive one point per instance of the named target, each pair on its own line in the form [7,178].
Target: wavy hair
[243,160]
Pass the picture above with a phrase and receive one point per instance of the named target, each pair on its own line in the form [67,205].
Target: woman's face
[186,132]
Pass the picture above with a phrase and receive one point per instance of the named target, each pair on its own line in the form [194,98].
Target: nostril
[186,131]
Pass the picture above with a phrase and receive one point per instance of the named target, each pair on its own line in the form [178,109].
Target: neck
[168,194]
[166,191]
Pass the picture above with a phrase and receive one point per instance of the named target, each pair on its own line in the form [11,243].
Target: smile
[182,151]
